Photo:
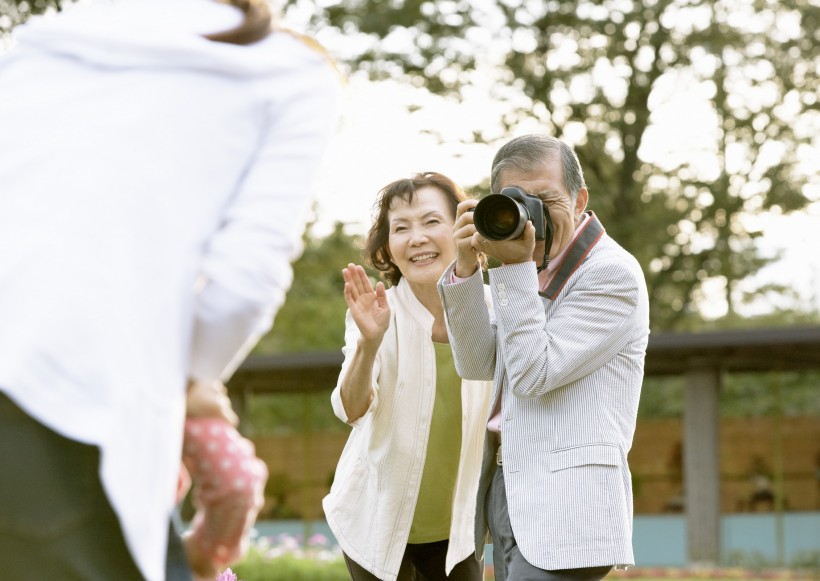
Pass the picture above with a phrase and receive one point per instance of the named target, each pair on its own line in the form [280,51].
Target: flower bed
[285,557]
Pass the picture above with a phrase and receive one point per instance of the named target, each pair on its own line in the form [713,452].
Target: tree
[312,318]
[602,75]
[612,77]
[14,12]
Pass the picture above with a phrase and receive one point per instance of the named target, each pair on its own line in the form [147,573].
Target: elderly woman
[403,498]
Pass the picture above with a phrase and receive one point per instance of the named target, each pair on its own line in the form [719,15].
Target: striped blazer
[569,369]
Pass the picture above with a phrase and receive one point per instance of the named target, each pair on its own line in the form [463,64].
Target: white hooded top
[154,187]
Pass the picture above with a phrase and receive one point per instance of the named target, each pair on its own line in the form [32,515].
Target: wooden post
[701,465]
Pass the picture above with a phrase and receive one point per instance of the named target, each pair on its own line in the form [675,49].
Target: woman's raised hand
[368,308]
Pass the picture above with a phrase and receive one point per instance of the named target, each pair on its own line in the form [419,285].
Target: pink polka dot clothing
[229,482]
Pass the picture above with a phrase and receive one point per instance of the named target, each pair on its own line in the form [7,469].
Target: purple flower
[317,540]
[227,575]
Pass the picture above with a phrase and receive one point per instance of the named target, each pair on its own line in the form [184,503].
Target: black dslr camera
[503,216]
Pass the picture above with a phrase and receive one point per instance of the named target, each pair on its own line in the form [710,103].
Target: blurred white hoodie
[138,158]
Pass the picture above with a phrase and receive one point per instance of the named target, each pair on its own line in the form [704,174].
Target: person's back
[138,158]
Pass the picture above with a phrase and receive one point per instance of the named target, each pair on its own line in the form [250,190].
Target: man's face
[547,184]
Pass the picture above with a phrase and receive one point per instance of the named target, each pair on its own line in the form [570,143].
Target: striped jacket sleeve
[548,348]
[469,326]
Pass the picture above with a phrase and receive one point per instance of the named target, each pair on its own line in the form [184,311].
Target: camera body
[503,216]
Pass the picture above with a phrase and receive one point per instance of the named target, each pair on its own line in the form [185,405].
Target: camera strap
[591,232]
[549,230]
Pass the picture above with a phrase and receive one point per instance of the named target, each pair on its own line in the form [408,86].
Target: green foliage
[312,318]
[767,394]
[14,12]
[798,315]
[599,74]
[288,567]
[290,413]
[661,397]
[602,74]
[743,395]
[756,561]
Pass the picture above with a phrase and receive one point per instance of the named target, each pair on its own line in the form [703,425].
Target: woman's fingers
[357,278]
[381,295]
[359,293]
[361,280]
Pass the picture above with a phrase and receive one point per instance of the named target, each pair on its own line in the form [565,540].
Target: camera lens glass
[503,222]
[499,217]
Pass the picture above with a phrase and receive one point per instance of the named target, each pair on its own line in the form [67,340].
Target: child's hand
[209,400]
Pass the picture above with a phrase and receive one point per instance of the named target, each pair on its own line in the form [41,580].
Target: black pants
[508,563]
[55,519]
[425,562]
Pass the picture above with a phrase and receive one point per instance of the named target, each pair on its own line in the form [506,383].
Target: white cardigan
[373,498]
[138,157]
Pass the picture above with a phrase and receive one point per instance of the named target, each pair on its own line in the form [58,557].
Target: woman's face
[421,236]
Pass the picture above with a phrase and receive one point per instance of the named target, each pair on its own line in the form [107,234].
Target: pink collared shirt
[544,278]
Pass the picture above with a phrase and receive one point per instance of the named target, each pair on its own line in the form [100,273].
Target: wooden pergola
[702,359]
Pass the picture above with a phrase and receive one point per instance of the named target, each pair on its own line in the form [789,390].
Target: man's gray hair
[530,152]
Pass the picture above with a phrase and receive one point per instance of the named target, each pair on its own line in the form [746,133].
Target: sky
[379,141]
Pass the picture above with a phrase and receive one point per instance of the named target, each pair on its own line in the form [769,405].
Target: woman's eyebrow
[424,216]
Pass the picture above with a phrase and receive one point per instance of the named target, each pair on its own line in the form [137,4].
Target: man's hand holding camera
[470,244]
[516,251]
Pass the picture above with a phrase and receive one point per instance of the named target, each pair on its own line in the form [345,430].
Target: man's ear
[581,202]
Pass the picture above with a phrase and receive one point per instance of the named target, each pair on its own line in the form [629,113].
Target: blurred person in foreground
[158,159]
[402,502]
[565,346]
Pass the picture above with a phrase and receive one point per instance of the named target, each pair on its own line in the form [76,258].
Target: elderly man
[565,346]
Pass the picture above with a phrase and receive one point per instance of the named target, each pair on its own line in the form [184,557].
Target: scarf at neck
[591,232]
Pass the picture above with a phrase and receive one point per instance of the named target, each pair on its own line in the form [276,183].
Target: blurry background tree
[691,117]
[14,12]
[607,75]
[312,318]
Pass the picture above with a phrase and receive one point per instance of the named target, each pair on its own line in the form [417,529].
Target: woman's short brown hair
[377,251]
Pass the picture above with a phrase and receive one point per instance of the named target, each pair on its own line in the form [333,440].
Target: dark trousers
[508,562]
[55,519]
[424,562]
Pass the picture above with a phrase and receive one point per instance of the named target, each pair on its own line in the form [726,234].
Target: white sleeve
[247,263]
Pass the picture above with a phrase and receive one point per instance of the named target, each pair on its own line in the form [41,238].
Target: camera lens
[498,217]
